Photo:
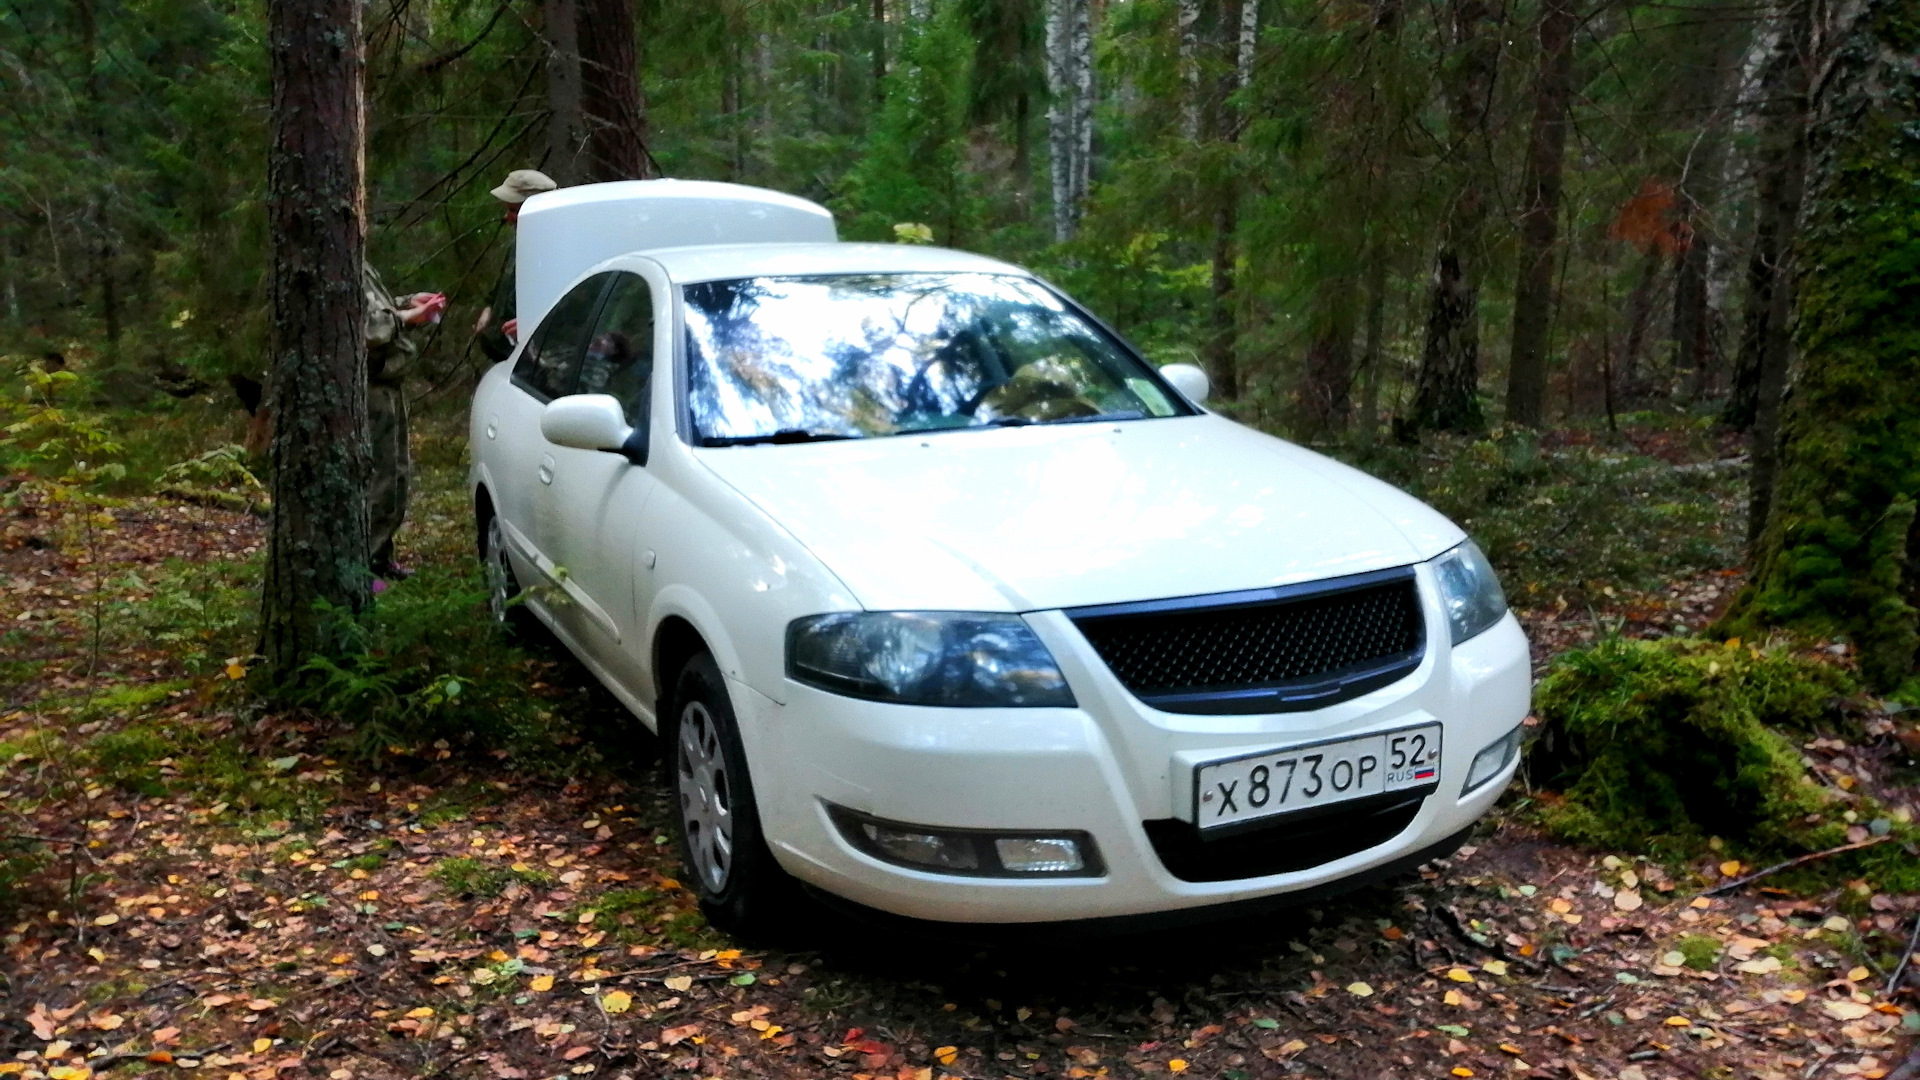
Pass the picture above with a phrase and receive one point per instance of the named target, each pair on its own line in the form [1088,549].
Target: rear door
[599,499]
[547,368]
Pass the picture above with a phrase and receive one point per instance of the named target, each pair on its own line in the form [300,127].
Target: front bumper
[1112,768]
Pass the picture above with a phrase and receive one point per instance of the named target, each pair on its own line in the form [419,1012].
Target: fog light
[969,852]
[1492,761]
[1039,854]
[948,852]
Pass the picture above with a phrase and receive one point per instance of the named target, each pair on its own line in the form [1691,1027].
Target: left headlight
[1469,591]
[955,659]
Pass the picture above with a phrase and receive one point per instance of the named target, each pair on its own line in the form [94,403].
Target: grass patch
[474,877]
[1702,952]
[129,758]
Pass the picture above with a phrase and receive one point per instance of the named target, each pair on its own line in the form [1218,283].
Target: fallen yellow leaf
[1846,1010]
[1560,905]
[1460,975]
[261,1046]
[1678,1021]
[945,1054]
[616,1001]
[1494,967]
[69,1072]
[1359,989]
[1461,1070]
[1453,997]
[1177,1065]
[679,984]
[1730,868]
[1293,1046]
[106,920]
[420,1013]
[772,1030]
[1857,974]
[1511,1049]
[235,671]
[542,983]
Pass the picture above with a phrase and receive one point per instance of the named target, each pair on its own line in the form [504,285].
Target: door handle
[546,469]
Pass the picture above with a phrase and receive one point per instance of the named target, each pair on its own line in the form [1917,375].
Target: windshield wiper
[784,435]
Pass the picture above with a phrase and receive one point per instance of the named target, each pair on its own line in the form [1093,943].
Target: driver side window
[619,355]
[551,361]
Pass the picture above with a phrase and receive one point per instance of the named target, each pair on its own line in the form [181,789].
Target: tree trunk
[1370,358]
[1060,141]
[565,131]
[879,55]
[1695,340]
[613,105]
[317,544]
[1626,380]
[1540,216]
[1081,44]
[1188,17]
[1837,556]
[1446,396]
[1222,363]
[1249,41]
[1782,169]
[1326,389]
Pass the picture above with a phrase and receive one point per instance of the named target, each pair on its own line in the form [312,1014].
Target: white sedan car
[945,602]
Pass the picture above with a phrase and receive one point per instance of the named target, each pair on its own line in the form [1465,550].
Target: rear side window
[550,363]
[619,355]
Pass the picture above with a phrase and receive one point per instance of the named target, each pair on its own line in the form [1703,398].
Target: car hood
[1033,518]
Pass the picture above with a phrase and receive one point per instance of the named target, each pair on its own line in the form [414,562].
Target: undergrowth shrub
[1570,520]
[426,663]
[1675,741]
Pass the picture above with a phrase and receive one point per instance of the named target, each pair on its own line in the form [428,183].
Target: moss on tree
[1836,556]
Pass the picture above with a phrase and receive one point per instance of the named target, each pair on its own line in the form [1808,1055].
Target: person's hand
[511,328]
[422,308]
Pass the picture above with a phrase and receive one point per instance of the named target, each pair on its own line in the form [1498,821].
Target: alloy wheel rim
[706,797]
[499,577]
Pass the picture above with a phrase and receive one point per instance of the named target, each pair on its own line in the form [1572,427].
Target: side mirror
[1189,379]
[586,422]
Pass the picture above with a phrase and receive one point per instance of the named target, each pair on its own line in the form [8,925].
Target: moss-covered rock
[1671,742]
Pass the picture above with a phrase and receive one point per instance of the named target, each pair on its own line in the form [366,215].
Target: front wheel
[504,605]
[734,874]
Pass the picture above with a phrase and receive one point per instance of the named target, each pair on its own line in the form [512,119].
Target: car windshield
[848,356]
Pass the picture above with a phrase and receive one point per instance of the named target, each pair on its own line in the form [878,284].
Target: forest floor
[214,891]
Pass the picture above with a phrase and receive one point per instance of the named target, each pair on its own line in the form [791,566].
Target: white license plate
[1296,778]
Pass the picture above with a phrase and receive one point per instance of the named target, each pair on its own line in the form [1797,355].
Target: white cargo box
[563,233]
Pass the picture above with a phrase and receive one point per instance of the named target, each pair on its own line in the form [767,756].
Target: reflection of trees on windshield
[878,354]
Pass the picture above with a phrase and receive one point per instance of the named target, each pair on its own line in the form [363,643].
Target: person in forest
[389,357]
[497,328]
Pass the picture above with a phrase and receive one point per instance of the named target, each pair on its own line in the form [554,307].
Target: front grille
[1286,846]
[1271,650]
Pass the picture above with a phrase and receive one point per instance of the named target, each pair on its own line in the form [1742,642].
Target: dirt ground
[448,914]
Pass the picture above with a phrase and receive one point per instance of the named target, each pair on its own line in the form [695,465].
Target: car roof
[686,265]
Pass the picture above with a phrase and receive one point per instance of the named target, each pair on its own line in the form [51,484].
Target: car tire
[504,606]
[716,818]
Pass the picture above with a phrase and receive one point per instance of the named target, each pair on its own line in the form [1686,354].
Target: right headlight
[1469,591]
[954,659]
